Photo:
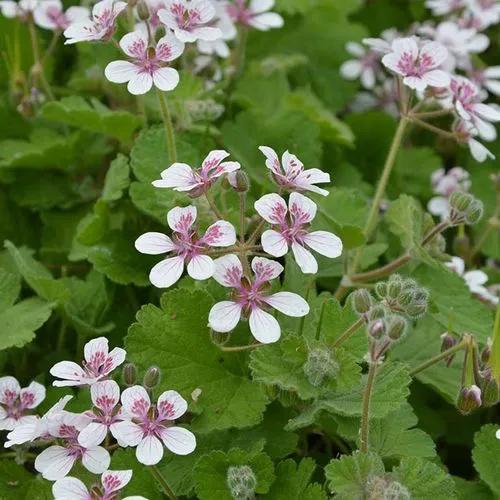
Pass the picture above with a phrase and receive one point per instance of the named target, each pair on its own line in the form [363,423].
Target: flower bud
[469,399]
[132,3]
[396,327]
[151,377]
[377,329]
[377,312]
[239,181]
[129,374]
[219,338]
[474,213]
[287,398]
[320,364]
[489,389]
[406,298]
[486,352]
[241,482]
[447,342]
[143,10]
[362,301]
[381,289]
[394,286]
[460,201]
[416,310]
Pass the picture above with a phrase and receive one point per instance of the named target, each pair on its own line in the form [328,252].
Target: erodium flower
[485,13]
[365,66]
[185,247]
[98,364]
[196,181]
[466,133]
[154,7]
[152,426]
[488,79]
[228,30]
[443,7]
[255,13]
[105,415]
[112,481]
[190,20]
[16,403]
[50,15]
[251,298]
[289,174]
[148,65]
[100,27]
[418,65]
[56,461]
[22,9]
[444,184]
[37,427]
[291,229]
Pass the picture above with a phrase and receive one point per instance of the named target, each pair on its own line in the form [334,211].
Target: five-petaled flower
[153,424]
[418,65]
[100,27]
[365,66]
[190,20]
[291,228]
[290,173]
[186,246]
[195,182]
[71,488]
[98,364]
[255,13]
[105,415]
[251,298]
[50,15]
[56,461]
[16,403]
[148,65]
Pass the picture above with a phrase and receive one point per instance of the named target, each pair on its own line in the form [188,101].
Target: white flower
[71,488]
[252,298]
[383,44]
[228,30]
[189,20]
[56,461]
[484,13]
[152,425]
[100,27]
[291,227]
[443,7]
[290,173]
[98,364]
[418,65]
[365,66]
[148,65]
[16,403]
[37,427]
[255,13]
[49,14]
[466,133]
[488,78]
[22,9]
[475,280]
[181,177]
[186,246]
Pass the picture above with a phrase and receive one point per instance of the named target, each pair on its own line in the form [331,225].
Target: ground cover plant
[250,249]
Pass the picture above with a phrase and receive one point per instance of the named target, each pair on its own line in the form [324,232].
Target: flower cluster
[438,63]
[128,417]
[239,265]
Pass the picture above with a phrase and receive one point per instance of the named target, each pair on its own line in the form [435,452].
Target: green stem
[437,229]
[349,332]
[169,128]
[239,59]
[62,335]
[242,217]
[213,206]
[431,114]
[365,416]
[436,359]
[382,271]
[37,70]
[432,128]
[240,348]
[163,482]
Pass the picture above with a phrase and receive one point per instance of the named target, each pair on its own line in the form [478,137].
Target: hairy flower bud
[469,399]
[447,342]
[219,338]
[394,286]
[381,289]
[396,327]
[241,482]
[143,10]
[489,389]
[405,298]
[362,301]
[320,364]
[377,312]
[460,201]
[474,213]
[151,377]
[486,352]
[129,374]
[377,329]
[239,181]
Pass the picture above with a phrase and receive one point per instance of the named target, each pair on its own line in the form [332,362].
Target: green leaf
[472,489]
[211,472]
[93,116]
[293,482]
[485,456]
[13,479]
[348,475]
[10,287]
[424,480]
[117,179]
[178,342]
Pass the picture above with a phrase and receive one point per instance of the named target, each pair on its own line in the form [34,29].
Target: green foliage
[485,457]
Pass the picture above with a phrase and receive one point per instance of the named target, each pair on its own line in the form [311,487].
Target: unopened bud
[362,301]
[489,389]
[406,298]
[381,289]
[241,482]
[376,329]
[396,327]
[447,342]
[416,309]
[469,399]
[129,374]
[460,201]
[486,352]
[287,398]
[474,213]
[394,286]
[151,377]
[320,364]
[219,338]
[132,3]
[142,10]
[239,181]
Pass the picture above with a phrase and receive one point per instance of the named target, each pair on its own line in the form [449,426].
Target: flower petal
[115,358]
[351,70]
[266,21]
[166,79]
[32,395]
[266,269]
[264,327]
[179,440]
[180,219]
[272,208]
[302,209]
[272,160]
[325,243]
[9,389]
[291,164]
[224,316]
[220,234]
[437,52]
[288,303]
[167,272]
[105,395]
[305,259]
[140,83]
[135,401]
[54,463]
[92,435]
[228,271]
[154,243]
[96,459]
[68,371]
[274,243]
[201,267]
[70,488]
[127,432]
[114,480]
[171,405]
[437,78]
[120,71]
[169,47]
[135,44]
[149,451]
[179,176]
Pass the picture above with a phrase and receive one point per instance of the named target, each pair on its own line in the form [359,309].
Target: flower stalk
[169,128]
[365,416]
[155,471]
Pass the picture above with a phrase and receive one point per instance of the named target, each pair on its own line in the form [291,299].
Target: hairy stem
[240,348]
[213,206]
[432,128]
[431,114]
[242,197]
[437,229]
[37,70]
[365,416]
[349,332]
[163,482]
[169,128]
[436,359]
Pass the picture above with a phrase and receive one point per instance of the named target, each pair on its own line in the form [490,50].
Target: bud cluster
[384,488]
[241,482]
[465,208]
[320,364]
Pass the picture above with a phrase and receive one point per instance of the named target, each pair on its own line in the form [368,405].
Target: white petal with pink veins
[54,463]
[178,176]
[135,44]
[325,243]
[437,52]
[487,112]
[135,401]
[171,405]
[167,17]
[120,71]
[167,272]
[180,219]
[274,243]
[70,372]
[272,160]
[228,271]
[266,21]
[166,79]
[179,440]
[154,243]
[140,84]
[486,130]
[149,450]
[9,389]
[415,82]
[169,48]
[7,423]
[224,316]
[266,269]
[207,33]
[479,152]
[302,208]
[214,158]
[272,208]
[288,303]
[127,432]
[114,480]
[115,358]
[305,259]
[96,349]
[105,395]
[70,488]
[32,395]
[201,267]
[96,459]
[437,78]
[204,8]
[264,327]
[405,46]
[291,164]
[220,234]
[23,433]
[92,435]
[391,61]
